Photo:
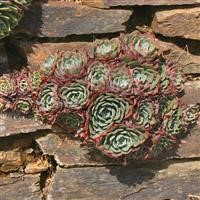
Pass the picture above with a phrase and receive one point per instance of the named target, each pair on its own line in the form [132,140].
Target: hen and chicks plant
[122,95]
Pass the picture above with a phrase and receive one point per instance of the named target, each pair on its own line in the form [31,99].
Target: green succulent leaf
[23,106]
[107,49]
[35,79]
[140,44]
[74,95]
[47,66]
[164,82]
[11,12]
[191,114]
[48,101]
[121,79]
[4,104]
[69,121]
[106,110]
[168,104]
[98,74]
[146,81]
[174,124]
[145,113]
[7,86]
[121,141]
[161,145]
[71,64]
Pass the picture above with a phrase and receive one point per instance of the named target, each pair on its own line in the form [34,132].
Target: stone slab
[184,23]
[112,3]
[60,19]
[26,188]
[168,181]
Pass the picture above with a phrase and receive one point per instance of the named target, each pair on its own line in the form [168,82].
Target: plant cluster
[11,12]
[122,95]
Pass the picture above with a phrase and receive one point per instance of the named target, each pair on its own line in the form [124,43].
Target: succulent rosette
[48,102]
[23,105]
[167,105]
[107,49]
[106,111]
[98,75]
[177,79]
[171,79]
[174,125]
[4,104]
[121,141]
[71,64]
[74,95]
[164,82]
[48,65]
[7,85]
[35,78]
[161,144]
[11,12]
[146,81]
[121,80]
[22,82]
[191,114]
[72,122]
[138,46]
[145,114]
[121,95]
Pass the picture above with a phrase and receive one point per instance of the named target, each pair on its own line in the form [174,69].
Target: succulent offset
[122,97]
[11,12]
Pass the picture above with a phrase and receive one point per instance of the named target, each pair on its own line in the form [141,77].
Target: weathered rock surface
[36,53]
[169,181]
[192,92]
[183,23]
[60,19]
[26,188]
[184,60]
[110,3]
[15,125]
[70,153]
[49,143]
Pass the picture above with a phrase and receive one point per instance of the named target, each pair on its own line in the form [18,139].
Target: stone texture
[60,19]
[49,143]
[71,153]
[26,188]
[111,3]
[183,59]
[192,92]
[10,125]
[168,181]
[183,23]
[10,161]
[36,53]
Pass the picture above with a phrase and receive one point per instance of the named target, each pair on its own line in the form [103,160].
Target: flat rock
[192,92]
[60,19]
[168,181]
[49,143]
[183,23]
[70,153]
[26,188]
[111,3]
[15,125]
[188,62]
